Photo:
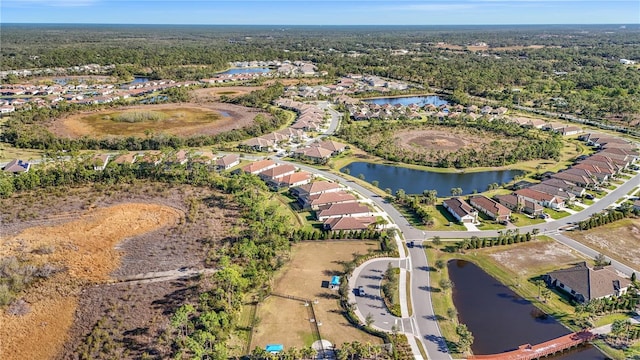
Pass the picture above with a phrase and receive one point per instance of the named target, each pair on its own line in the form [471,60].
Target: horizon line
[382,25]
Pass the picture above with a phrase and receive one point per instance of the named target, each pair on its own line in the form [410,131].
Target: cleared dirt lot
[95,236]
[534,258]
[286,321]
[179,119]
[619,240]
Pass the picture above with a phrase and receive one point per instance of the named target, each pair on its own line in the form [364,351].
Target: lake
[499,319]
[408,100]
[414,181]
[245,71]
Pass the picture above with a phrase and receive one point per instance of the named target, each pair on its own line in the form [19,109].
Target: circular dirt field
[437,140]
[176,119]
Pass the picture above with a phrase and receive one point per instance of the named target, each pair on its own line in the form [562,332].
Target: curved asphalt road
[423,322]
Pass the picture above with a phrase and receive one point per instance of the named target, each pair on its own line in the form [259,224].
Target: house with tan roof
[315,188]
[543,199]
[324,200]
[346,209]
[151,158]
[17,166]
[335,147]
[227,162]
[295,179]
[580,177]
[277,172]
[520,204]
[585,283]
[460,210]
[100,161]
[259,166]
[203,157]
[491,208]
[258,144]
[349,223]
[128,158]
[314,154]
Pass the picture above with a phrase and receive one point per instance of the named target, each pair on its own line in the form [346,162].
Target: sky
[322,12]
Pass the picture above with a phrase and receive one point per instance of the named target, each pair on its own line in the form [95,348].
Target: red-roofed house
[541,198]
[347,209]
[323,201]
[259,166]
[349,223]
[490,208]
[315,188]
[277,172]
[295,179]
[518,203]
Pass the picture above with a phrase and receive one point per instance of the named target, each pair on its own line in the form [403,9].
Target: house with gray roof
[585,283]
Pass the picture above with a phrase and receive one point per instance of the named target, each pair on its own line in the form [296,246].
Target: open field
[619,240]
[286,321]
[176,119]
[95,235]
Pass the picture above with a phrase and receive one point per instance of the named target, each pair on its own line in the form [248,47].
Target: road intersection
[423,322]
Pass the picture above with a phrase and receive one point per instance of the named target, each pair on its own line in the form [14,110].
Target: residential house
[16,166]
[491,208]
[227,162]
[259,166]
[314,154]
[128,158]
[99,161]
[585,283]
[203,157]
[180,157]
[272,175]
[544,199]
[460,210]
[520,204]
[315,188]
[567,186]
[335,147]
[258,144]
[555,191]
[349,223]
[346,209]
[582,178]
[323,201]
[295,179]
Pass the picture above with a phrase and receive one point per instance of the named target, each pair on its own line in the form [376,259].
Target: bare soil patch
[535,258]
[214,93]
[286,321]
[434,143]
[619,240]
[99,234]
[181,120]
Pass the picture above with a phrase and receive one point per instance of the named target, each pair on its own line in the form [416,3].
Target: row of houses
[337,208]
[334,206]
[85,69]
[155,158]
[320,152]
[559,128]
[82,94]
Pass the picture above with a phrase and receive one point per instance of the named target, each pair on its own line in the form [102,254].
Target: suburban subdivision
[251,192]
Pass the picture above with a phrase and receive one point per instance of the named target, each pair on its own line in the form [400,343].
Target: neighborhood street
[423,323]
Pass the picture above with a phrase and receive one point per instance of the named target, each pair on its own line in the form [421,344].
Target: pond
[408,100]
[499,319]
[414,181]
[245,71]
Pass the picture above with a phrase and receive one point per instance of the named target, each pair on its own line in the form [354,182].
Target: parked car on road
[360,291]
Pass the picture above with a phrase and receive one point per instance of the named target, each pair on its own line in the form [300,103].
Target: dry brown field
[286,321]
[534,258]
[94,237]
[177,119]
[619,240]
